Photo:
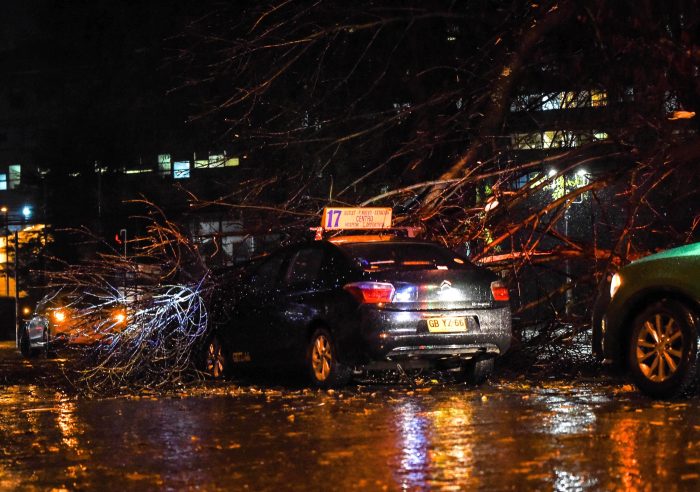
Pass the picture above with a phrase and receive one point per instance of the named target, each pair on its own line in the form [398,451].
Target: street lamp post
[26,215]
[7,257]
[17,313]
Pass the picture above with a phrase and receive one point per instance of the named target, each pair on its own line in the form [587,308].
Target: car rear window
[404,256]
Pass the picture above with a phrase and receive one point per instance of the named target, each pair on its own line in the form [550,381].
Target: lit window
[524,141]
[233,161]
[569,100]
[599,98]
[181,169]
[559,100]
[164,163]
[553,140]
[3,181]
[217,160]
[15,176]
[201,164]
[551,101]
[600,136]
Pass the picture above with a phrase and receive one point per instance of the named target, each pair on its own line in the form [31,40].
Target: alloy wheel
[659,347]
[321,357]
[215,359]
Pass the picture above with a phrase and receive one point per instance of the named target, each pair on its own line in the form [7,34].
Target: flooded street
[506,435]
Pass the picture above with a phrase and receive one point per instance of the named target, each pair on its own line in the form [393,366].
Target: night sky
[92,77]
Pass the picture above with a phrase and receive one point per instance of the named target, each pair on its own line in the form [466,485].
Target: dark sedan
[352,304]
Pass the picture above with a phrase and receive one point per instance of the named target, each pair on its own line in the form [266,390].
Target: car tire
[663,349]
[324,369]
[478,370]
[25,346]
[214,358]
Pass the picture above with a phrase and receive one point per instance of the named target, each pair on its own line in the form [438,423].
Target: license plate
[447,325]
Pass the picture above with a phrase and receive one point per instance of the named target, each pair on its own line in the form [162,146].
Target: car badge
[445,285]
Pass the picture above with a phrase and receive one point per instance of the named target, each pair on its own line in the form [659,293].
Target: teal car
[648,322]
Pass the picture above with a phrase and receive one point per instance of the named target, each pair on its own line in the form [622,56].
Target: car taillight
[371,292]
[499,291]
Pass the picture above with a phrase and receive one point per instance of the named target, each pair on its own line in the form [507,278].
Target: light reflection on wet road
[503,436]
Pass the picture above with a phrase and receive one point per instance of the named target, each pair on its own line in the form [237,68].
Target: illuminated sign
[356,218]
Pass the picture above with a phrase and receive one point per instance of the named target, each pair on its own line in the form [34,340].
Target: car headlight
[119,317]
[615,284]
[59,316]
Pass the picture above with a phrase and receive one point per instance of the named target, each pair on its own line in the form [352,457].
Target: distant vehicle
[341,306]
[56,321]
[649,321]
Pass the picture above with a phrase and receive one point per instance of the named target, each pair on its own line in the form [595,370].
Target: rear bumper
[404,335]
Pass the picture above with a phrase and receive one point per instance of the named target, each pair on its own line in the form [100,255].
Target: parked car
[58,321]
[349,304]
[648,322]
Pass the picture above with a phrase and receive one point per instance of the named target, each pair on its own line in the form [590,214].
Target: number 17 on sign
[333,217]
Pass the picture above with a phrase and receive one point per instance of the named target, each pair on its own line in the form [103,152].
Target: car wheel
[25,346]
[477,371]
[663,354]
[215,360]
[322,361]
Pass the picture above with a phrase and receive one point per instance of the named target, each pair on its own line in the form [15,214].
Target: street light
[26,212]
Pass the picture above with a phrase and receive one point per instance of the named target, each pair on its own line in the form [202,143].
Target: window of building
[14,176]
[555,139]
[3,181]
[525,141]
[217,160]
[138,170]
[181,169]
[559,100]
[599,99]
[526,102]
[164,164]
[535,178]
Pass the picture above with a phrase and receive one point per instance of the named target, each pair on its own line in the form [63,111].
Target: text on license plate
[446,325]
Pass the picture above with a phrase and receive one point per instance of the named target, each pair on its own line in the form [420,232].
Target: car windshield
[404,256]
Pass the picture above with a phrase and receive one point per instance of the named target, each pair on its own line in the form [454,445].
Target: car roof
[689,250]
[362,238]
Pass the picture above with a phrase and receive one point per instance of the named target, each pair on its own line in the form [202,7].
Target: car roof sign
[336,218]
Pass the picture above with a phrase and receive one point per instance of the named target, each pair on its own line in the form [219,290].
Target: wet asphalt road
[506,435]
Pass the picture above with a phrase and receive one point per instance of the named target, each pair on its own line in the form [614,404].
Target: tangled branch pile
[156,345]
[137,322]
